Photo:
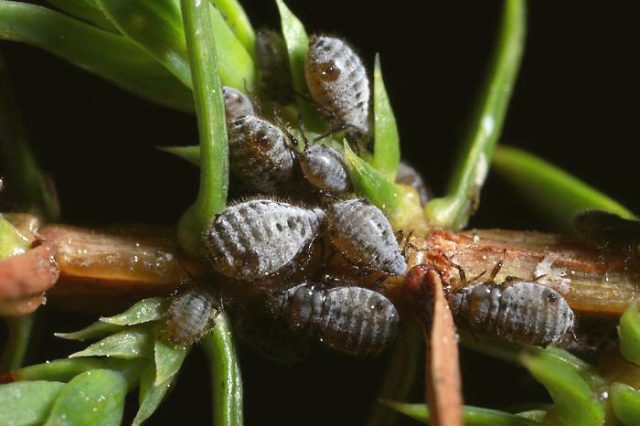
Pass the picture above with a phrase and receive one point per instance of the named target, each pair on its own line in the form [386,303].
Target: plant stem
[226,382]
[207,92]
[453,210]
[19,333]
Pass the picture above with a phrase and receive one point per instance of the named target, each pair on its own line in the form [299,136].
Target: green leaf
[238,22]
[463,192]
[128,344]
[188,153]
[146,310]
[551,190]
[226,382]
[12,242]
[61,370]
[168,359]
[86,10]
[629,332]
[574,401]
[96,330]
[155,25]
[625,402]
[207,90]
[151,395]
[295,36]
[472,416]
[108,55]
[93,398]
[27,403]
[386,148]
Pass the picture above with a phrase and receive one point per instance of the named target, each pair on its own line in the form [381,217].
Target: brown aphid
[408,175]
[191,314]
[259,153]
[236,104]
[522,312]
[354,320]
[325,168]
[259,237]
[363,234]
[338,82]
[272,61]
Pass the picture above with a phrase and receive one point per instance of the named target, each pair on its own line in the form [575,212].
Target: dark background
[575,104]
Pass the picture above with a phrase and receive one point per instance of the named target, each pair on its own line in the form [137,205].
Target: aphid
[407,175]
[191,314]
[272,59]
[259,153]
[259,237]
[522,311]
[354,320]
[325,169]
[608,229]
[362,233]
[236,104]
[338,83]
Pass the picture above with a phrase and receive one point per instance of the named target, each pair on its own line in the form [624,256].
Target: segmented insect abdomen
[523,312]
[191,313]
[364,236]
[325,169]
[338,82]
[256,238]
[259,153]
[354,320]
[236,104]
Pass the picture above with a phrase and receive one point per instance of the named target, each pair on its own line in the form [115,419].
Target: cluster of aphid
[271,255]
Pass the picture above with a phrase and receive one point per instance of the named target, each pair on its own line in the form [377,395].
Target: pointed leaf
[386,148]
[472,416]
[625,402]
[238,21]
[156,26]
[12,242]
[146,310]
[629,332]
[551,190]
[94,398]
[128,344]
[96,330]
[189,153]
[60,370]
[168,359]
[151,395]
[108,55]
[574,401]
[27,403]
[297,41]
[87,10]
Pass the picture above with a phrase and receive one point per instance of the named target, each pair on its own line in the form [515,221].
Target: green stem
[453,210]
[207,92]
[15,350]
[225,374]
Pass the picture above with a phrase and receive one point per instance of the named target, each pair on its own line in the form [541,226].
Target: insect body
[325,169]
[236,104]
[354,320]
[256,238]
[523,312]
[362,233]
[191,313]
[338,83]
[407,175]
[272,60]
[259,153]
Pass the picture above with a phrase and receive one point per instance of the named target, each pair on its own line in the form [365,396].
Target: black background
[575,103]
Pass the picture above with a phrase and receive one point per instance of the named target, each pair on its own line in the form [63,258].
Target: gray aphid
[362,233]
[338,82]
[191,314]
[236,104]
[325,169]
[522,312]
[354,320]
[259,237]
[272,59]
[408,175]
[259,153]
